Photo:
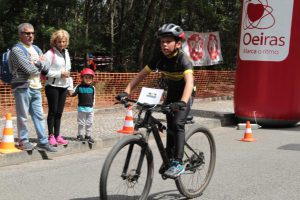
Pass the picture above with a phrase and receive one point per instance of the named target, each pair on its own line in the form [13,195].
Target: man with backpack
[26,65]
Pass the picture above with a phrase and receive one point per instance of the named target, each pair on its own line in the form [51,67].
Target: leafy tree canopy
[122,29]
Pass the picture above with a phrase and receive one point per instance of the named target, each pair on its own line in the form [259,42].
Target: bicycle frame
[153,126]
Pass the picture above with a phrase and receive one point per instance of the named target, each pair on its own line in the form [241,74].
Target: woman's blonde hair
[59,34]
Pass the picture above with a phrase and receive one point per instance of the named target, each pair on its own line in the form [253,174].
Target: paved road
[267,169]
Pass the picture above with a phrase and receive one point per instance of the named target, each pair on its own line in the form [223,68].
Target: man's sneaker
[45,147]
[26,146]
[175,170]
[89,139]
[80,138]
[52,140]
[61,140]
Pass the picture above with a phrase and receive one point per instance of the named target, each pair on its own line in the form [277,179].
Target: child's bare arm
[136,80]
[71,93]
[74,92]
[188,89]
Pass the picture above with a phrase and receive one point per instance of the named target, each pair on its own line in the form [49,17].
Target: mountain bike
[127,172]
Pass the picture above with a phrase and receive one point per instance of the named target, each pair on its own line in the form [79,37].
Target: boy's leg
[89,123]
[176,132]
[189,117]
[177,125]
[81,122]
[169,144]
[170,137]
[88,127]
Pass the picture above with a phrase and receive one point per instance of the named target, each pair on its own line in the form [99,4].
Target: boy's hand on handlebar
[122,96]
[176,106]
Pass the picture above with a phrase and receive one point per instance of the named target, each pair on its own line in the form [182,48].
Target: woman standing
[58,82]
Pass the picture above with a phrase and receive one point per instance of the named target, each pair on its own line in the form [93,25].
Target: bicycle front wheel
[199,160]
[127,172]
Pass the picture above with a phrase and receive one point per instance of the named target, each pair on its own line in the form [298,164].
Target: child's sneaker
[89,139]
[162,169]
[80,138]
[175,170]
[52,140]
[61,140]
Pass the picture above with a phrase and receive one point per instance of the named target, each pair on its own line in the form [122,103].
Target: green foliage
[119,28]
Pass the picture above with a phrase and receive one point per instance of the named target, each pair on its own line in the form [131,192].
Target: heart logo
[255,11]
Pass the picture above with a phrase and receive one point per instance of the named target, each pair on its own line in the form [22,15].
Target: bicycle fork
[136,174]
[137,171]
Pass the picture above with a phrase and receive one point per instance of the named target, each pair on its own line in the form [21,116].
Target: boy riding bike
[178,71]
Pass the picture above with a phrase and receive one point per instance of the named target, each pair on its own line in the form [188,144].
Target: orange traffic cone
[248,134]
[8,142]
[128,127]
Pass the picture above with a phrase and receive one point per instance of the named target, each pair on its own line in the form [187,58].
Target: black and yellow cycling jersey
[173,69]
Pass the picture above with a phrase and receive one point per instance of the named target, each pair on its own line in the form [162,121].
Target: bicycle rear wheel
[120,181]
[199,160]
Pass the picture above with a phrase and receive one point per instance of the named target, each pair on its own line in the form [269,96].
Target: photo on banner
[204,49]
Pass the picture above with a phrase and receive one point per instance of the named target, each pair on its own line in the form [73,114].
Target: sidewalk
[212,113]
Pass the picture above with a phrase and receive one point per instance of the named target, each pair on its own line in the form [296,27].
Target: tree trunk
[112,33]
[86,29]
[144,32]
[120,42]
[158,21]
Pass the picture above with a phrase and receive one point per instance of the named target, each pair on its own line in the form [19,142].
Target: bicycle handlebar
[162,108]
[146,107]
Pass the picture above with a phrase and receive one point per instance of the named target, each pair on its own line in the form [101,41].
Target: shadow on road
[291,147]
[165,195]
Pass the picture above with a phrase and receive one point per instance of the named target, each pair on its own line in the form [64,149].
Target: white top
[57,64]
[34,79]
